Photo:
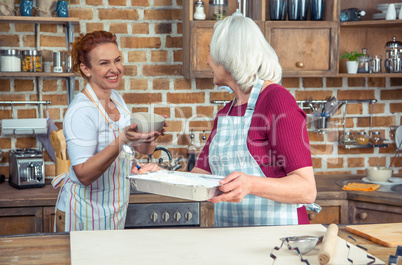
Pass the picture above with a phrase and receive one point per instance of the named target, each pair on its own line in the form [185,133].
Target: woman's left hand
[234,187]
[145,168]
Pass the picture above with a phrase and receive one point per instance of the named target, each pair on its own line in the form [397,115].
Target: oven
[151,211]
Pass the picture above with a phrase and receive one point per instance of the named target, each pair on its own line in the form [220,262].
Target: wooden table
[55,248]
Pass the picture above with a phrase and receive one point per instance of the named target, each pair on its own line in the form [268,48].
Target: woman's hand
[234,187]
[145,168]
[131,136]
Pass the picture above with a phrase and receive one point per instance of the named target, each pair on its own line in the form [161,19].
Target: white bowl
[379,174]
[147,122]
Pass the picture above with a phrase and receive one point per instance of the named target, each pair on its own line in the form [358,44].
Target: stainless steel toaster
[27,168]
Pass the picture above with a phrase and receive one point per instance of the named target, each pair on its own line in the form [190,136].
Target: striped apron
[228,152]
[103,204]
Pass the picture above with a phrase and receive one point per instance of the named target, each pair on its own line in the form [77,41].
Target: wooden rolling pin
[328,244]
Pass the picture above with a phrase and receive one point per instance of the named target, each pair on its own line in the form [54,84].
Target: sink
[397,189]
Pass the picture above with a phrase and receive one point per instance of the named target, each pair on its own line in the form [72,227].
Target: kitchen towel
[361,187]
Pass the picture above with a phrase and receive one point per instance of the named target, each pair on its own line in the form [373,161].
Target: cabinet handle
[299,64]
[363,215]
[311,216]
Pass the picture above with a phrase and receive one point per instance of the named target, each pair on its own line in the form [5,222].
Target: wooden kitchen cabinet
[333,211]
[21,220]
[48,219]
[367,213]
[305,48]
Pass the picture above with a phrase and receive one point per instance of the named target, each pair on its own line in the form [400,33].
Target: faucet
[166,165]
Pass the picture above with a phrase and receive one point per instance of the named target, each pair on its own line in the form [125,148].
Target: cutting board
[388,235]
[200,246]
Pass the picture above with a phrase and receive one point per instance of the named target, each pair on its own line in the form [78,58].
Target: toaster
[27,168]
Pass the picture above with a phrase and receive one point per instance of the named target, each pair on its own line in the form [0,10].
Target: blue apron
[228,152]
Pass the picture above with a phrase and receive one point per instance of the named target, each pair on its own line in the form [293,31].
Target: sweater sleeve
[287,132]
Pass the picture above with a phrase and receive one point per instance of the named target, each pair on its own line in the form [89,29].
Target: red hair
[85,44]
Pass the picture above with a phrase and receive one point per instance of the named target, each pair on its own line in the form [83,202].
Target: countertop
[55,248]
[327,188]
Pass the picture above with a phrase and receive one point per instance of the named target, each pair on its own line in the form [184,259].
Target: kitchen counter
[55,248]
[327,188]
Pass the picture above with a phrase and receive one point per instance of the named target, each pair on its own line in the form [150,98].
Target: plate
[365,179]
[384,7]
[396,180]
[379,16]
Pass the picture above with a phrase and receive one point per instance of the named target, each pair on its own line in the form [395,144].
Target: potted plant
[352,63]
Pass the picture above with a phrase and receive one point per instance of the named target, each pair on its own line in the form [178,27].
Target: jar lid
[361,133]
[10,52]
[376,133]
[348,133]
[394,43]
[31,52]
[218,2]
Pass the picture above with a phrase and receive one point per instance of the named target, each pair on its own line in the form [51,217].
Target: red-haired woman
[96,125]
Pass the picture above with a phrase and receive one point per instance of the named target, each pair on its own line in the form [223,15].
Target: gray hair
[240,47]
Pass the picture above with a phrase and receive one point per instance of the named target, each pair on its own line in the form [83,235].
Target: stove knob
[188,216]
[165,216]
[154,217]
[177,216]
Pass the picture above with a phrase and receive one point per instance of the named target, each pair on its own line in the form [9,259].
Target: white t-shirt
[87,132]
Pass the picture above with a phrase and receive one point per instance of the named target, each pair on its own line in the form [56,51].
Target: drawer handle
[311,216]
[363,215]
[299,64]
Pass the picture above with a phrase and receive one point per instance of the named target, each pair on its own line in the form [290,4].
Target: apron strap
[252,100]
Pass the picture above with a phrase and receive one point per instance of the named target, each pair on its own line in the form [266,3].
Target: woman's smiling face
[106,67]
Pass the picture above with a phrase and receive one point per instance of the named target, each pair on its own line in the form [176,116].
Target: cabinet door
[201,34]
[48,219]
[20,220]
[366,213]
[304,48]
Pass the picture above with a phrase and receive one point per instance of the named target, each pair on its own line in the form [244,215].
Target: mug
[298,9]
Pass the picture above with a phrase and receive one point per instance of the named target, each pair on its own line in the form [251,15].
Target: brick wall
[150,37]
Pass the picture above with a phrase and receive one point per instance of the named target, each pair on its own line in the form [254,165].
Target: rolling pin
[328,244]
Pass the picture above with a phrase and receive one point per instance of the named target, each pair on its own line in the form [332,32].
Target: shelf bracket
[70,84]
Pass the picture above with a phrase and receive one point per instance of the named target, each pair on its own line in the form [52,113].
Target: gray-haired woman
[259,141]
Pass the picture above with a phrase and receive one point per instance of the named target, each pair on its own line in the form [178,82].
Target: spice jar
[31,61]
[10,61]
[376,138]
[348,139]
[362,138]
[218,9]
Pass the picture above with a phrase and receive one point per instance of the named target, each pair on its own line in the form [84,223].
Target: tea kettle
[162,162]
[393,61]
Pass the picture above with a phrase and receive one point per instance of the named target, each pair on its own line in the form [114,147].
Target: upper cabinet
[305,48]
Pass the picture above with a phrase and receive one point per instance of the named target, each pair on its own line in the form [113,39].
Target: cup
[277,9]
[322,122]
[298,9]
[376,63]
[317,9]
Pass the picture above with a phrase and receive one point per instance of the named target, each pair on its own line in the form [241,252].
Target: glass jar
[218,9]
[362,138]
[376,138]
[10,61]
[364,62]
[31,61]
[348,138]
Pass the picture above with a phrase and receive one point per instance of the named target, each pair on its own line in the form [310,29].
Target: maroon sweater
[277,138]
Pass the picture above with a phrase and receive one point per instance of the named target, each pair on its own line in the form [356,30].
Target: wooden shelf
[36,74]
[372,23]
[373,75]
[41,20]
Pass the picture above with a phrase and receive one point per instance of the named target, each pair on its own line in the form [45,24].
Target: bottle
[352,14]
[191,153]
[391,12]
[199,13]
